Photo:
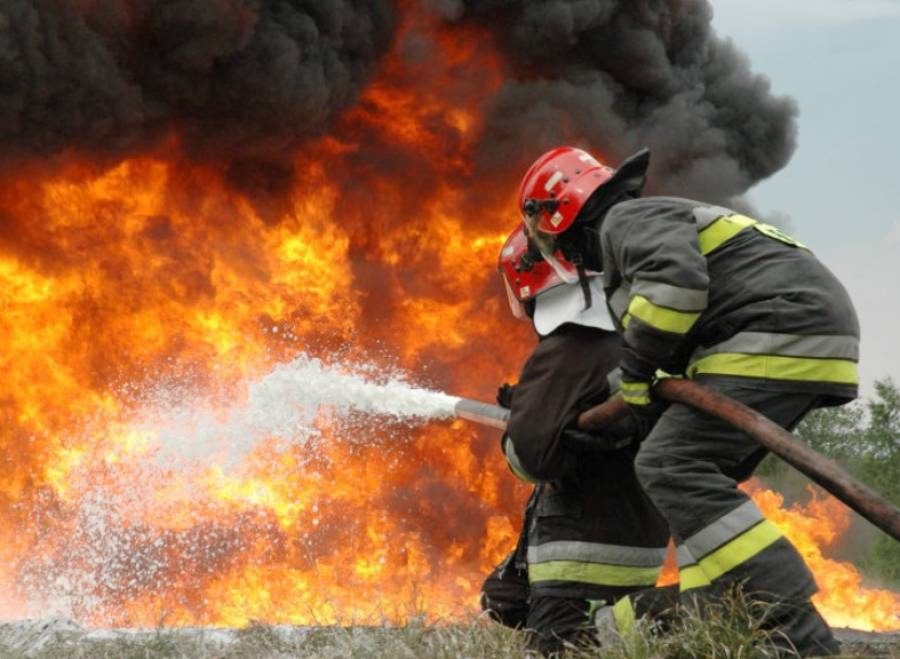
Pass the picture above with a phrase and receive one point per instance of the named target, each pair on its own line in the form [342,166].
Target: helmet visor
[563,269]
[546,244]
[516,307]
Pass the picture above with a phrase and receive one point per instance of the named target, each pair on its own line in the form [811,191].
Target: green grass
[730,630]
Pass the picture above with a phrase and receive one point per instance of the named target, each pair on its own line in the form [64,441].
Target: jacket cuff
[637,377]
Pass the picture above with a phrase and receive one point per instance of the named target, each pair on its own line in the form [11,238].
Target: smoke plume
[240,78]
[617,75]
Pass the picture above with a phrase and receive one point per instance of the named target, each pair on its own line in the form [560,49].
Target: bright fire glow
[813,528]
[156,275]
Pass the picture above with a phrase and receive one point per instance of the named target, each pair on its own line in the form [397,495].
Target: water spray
[292,394]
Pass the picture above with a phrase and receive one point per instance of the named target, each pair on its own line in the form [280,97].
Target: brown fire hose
[822,471]
[826,473]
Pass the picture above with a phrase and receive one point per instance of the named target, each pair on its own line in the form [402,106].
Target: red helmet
[525,274]
[557,186]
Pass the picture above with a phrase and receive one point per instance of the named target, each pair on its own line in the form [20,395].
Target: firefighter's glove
[505,395]
[638,378]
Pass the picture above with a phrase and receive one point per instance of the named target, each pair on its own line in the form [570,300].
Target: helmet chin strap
[585,286]
[575,254]
[583,280]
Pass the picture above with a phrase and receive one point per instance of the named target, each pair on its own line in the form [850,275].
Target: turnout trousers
[690,466]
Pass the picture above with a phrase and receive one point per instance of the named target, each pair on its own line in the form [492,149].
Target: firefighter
[730,302]
[591,535]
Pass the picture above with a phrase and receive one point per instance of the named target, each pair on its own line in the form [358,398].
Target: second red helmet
[556,187]
[524,275]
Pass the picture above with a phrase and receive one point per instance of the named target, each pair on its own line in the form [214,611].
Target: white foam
[186,435]
[284,404]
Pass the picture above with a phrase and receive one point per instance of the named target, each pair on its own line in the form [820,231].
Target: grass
[730,630]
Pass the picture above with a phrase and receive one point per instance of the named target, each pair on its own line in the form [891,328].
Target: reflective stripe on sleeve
[661,318]
[636,393]
[598,574]
[774,367]
[671,297]
[596,552]
[729,556]
[721,231]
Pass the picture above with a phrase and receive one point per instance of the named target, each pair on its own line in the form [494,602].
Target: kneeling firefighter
[591,535]
[701,290]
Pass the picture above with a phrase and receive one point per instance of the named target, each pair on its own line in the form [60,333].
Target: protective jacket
[593,533]
[718,296]
[706,291]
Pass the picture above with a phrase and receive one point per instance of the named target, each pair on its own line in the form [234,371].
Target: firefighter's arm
[554,385]
[654,247]
[513,461]
[505,395]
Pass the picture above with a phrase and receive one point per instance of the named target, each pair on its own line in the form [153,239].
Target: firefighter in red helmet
[591,536]
[704,291]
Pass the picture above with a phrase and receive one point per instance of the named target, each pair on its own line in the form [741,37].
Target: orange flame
[160,276]
[812,528]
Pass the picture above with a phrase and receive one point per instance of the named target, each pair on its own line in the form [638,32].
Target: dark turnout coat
[593,532]
[704,290]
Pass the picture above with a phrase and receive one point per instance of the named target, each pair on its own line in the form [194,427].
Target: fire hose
[821,470]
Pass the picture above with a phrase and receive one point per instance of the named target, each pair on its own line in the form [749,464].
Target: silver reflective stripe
[684,556]
[706,215]
[514,463]
[596,552]
[618,301]
[614,379]
[724,529]
[830,346]
[671,297]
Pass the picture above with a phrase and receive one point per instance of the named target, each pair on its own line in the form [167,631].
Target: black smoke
[249,80]
[234,78]
[617,75]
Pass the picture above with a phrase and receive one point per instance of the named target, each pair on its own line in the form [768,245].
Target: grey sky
[840,60]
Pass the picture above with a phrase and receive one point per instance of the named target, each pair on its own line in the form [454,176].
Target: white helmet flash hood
[565,304]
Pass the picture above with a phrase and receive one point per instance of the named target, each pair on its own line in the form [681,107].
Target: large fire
[158,274]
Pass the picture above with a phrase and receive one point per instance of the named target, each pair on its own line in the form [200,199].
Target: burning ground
[195,192]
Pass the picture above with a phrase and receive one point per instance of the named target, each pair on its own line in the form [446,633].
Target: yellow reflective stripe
[598,574]
[721,231]
[777,367]
[635,393]
[727,557]
[692,577]
[623,614]
[636,400]
[661,318]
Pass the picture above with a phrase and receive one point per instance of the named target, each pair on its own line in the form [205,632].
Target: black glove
[645,417]
[607,440]
[505,395]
